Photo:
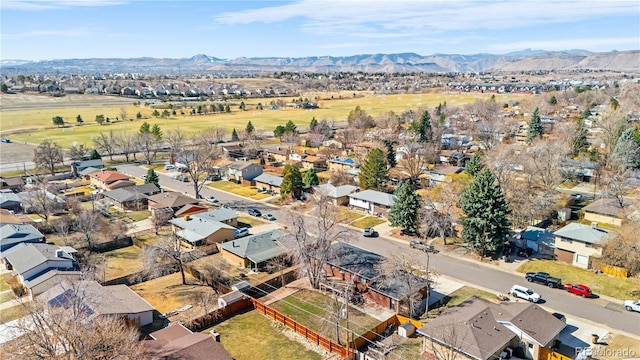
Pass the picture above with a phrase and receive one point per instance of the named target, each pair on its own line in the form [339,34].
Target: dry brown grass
[168,293]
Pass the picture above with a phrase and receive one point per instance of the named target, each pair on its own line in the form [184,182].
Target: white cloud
[428,15]
[606,44]
[76,32]
[344,45]
[54,4]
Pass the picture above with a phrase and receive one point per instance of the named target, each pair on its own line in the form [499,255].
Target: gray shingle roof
[220,214]
[11,234]
[28,256]
[257,248]
[269,179]
[198,228]
[131,193]
[375,197]
[8,197]
[583,233]
[240,165]
[336,191]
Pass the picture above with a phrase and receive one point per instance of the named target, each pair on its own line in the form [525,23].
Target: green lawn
[261,338]
[367,222]
[12,313]
[237,189]
[34,125]
[602,284]
[312,308]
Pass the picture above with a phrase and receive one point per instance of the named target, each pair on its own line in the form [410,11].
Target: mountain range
[527,60]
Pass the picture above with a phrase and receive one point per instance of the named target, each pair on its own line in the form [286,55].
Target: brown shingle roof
[178,342]
[109,175]
[172,199]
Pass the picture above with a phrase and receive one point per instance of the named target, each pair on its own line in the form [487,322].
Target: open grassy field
[601,284]
[264,341]
[34,124]
[311,309]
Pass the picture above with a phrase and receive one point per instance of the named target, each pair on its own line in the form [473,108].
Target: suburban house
[371,201]
[190,209]
[169,199]
[576,243]
[12,183]
[221,214]
[606,211]
[279,155]
[481,330]
[441,173]
[131,197]
[114,300]
[9,200]
[243,171]
[350,264]
[79,167]
[9,217]
[539,240]
[35,265]
[178,342]
[14,234]
[198,231]
[268,182]
[339,194]
[109,180]
[254,251]
[341,164]
[317,163]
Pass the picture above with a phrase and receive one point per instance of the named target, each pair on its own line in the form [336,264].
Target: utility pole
[346,304]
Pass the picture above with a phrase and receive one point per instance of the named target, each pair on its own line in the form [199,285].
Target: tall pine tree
[291,181]
[310,179]
[152,178]
[234,135]
[422,127]
[373,171]
[485,222]
[404,211]
[474,166]
[391,154]
[535,126]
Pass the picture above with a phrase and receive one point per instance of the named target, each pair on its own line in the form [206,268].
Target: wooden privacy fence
[614,271]
[219,315]
[373,334]
[300,329]
[546,354]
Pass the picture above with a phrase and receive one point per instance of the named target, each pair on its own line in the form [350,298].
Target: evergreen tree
[474,166]
[152,178]
[250,128]
[227,109]
[95,155]
[535,126]
[313,123]
[404,211]
[586,113]
[553,100]
[139,115]
[627,150]
[291,181]
[156,132]
[290,127]
[242,106]
[145,128]
[373,171]
[579,139]
[221,107]
[58,121]
[485,222]
[310,179]
[155,113]
[422,127]
[234,135]
[279,132]
[79,119]
[613,102]
[391,154]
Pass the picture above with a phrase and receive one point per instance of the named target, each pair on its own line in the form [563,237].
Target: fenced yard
[320,313]
[121,262]
[167,293]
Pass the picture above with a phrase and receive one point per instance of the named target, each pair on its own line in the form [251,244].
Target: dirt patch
[15,153]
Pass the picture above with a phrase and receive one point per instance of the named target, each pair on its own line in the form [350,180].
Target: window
[565,240]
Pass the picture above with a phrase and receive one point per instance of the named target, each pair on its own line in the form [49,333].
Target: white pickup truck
[632,305]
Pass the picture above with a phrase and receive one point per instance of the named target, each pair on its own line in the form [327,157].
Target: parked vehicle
[524,252]
[254,212]
[143,177]
[211,199]
[422,246]
[240,232]
[369,232]
[169,167]
[183,178]
[544,278]
[560,317]
[578,289]
[269,217]
[632,305]
[524,293]
[5,140]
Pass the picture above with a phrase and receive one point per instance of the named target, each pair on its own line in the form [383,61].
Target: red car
[578,289]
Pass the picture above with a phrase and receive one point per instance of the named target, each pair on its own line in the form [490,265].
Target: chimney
[594,224]
[187,218]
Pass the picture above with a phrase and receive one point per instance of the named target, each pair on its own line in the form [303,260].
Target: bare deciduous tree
[311,252]
[41,202]
[89,223]
[340,178]
[611,124]
[198,156]
[106,143]
[78,153]
[166,257]
[451,339]
[126,144]
[214,275]
[47,155]
[622,249]
[73,331]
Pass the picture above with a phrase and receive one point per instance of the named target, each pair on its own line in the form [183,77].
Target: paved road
[598,311]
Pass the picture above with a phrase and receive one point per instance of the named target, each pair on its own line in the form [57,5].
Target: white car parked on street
[524,293]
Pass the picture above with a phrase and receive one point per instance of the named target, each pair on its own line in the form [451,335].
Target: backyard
[167,293]
[314,310]
[602,284]
[267,339]
[122,262]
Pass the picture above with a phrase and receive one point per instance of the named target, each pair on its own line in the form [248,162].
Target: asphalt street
[600,311]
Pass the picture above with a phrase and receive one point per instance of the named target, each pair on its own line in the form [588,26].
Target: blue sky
[40,30]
